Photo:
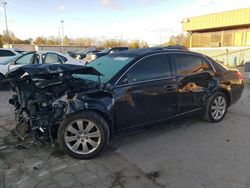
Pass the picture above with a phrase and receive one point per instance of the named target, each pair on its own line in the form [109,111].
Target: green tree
[134,44]
[1,42]
[181,39]
[40,41]
[138,44]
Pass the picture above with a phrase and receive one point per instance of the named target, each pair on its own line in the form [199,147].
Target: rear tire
[83,135]
[216,107]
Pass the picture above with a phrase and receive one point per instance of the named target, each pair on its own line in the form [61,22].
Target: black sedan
[82,108]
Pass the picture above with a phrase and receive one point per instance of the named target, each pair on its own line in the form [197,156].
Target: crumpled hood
[51,70]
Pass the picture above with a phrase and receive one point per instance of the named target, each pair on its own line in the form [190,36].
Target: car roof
[44,51]
[9,49]
[149,51]
[41,52]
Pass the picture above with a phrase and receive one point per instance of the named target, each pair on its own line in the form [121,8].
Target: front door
[26,59]
[146,93]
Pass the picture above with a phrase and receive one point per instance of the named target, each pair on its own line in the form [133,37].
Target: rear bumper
[236,92]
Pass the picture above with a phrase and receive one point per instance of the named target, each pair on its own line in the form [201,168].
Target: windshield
[108,66]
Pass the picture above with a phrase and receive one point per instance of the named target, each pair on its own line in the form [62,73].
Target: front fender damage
[81,102]
[45,95]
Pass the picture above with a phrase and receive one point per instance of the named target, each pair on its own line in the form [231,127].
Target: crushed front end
[44,95]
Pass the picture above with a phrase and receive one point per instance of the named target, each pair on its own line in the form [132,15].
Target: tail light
[239,75]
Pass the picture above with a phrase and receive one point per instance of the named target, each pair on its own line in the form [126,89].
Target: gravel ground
[37,165]
[189,153]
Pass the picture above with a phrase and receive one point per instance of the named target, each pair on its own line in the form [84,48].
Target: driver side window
[150,68]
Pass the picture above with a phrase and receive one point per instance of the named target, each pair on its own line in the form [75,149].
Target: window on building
[216,39]
[196,40]
[248,38]
[228,38]
[205,39]
[238,38]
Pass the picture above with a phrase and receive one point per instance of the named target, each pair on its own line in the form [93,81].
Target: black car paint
[132,106]
[126,106]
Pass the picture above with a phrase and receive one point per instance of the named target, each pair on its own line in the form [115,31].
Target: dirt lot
[189,153]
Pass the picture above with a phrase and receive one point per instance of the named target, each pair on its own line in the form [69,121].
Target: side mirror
[13,63]
[109,87]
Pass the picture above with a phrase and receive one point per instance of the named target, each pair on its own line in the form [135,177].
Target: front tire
[216,107]
[83,135]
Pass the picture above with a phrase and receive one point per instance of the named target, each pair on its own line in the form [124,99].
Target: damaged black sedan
[81,107]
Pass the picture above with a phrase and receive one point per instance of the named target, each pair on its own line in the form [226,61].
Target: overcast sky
[150,20]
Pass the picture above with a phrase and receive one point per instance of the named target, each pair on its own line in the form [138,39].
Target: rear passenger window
[187,64]
[6,53]
[221,69]
[153,67]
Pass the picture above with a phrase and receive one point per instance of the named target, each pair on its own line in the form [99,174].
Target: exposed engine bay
[45,94]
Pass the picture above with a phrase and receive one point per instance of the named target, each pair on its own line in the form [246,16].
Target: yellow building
[225,29]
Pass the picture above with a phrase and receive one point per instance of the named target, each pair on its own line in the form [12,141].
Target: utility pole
[6,23]
[59,36]
[62,32]
[160,38]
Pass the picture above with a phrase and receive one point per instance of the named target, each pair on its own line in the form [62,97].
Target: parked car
[83,107]
[92,56]
[4,65]
[84,54]
[7,53]
[81,54]
[39,57]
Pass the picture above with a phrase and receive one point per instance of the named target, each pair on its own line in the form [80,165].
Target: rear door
[146,93]
[195,75]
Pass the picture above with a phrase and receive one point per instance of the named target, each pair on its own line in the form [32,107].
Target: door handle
[170,88]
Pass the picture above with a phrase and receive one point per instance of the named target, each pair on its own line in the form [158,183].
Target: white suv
[6,53]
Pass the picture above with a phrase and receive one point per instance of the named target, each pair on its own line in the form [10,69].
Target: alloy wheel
[218,108]
[82,136]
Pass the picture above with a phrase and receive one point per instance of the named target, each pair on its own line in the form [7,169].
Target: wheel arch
[227,93]
[103,114]
[103,108]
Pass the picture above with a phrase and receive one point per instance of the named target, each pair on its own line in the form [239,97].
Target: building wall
[221,38]
[226,19]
